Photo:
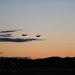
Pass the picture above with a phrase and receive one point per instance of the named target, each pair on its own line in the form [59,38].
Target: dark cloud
[18,39]
[9,31]
[6,35]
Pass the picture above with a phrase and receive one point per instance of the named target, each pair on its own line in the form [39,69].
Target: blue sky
[36,14]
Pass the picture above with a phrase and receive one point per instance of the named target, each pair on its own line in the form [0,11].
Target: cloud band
[8,31]
[18,39]
[5,35]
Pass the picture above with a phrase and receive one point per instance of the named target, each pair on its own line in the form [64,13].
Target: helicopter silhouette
[24,34]
[38,35]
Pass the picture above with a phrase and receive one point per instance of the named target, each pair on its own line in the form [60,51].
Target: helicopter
[38,35]
[24,34]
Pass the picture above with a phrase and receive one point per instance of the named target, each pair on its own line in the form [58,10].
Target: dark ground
[46,66]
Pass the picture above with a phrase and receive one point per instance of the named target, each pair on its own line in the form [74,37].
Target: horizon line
[39,58]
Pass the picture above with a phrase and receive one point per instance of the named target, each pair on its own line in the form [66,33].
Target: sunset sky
[54,20]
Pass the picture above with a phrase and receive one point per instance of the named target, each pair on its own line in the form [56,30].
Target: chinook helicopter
[24,34]
[38,35]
